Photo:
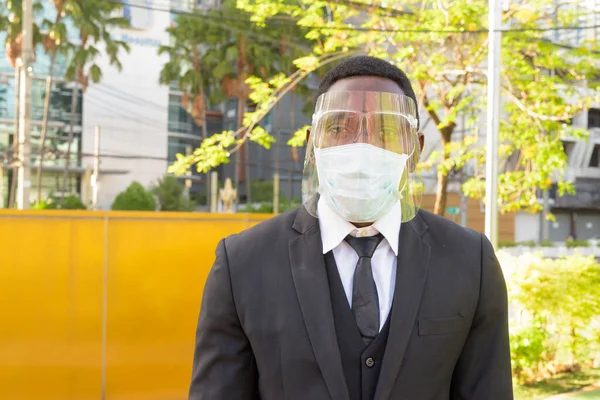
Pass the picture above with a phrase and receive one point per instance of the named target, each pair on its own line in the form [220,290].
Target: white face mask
[360,181]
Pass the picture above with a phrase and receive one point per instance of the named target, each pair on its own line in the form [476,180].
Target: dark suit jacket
[266,327]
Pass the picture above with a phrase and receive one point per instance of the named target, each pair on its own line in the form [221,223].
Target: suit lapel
[411,274]
[310,279]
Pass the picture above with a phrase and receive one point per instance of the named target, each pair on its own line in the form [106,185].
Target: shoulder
[255,256]
[444,231]
[264,235]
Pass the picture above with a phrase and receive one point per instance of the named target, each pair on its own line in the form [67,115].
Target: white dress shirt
[334,228]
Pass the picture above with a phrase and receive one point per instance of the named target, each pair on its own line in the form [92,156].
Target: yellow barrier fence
[103,305]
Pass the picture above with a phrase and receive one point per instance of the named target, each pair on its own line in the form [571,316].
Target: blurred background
[136,134]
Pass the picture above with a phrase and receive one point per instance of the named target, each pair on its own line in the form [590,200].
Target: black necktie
[365,302]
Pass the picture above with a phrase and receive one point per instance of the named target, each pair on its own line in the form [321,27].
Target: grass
[576,243]
[561,383]
[593,395]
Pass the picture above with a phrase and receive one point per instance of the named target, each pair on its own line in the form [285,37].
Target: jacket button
[369,362]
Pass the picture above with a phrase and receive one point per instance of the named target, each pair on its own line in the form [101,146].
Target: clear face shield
[362,155]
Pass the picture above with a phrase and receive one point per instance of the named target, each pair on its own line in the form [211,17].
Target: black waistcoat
[361,364]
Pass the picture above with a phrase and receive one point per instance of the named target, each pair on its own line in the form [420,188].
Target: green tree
[169,192]
[93,20]
[211,60]
[134,198]
[54,40]
[443,47]
[11,14]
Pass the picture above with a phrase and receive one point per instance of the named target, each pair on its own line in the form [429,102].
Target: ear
[307,135]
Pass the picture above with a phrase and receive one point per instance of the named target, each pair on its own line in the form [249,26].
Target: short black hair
[368,66]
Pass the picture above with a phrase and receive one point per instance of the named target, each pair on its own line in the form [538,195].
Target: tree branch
[532,113]
[369,8]
[432,113]
[301,74]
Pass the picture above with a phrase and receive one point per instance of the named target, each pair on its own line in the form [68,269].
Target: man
[357,295]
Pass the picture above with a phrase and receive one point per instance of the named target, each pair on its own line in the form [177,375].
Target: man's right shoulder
[263,236]
[260,250]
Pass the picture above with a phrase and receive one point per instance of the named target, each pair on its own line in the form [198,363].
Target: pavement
[589,392]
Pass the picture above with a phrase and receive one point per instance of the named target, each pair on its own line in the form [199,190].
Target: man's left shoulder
[444,230]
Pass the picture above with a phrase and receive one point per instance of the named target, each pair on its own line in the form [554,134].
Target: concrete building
[58,126]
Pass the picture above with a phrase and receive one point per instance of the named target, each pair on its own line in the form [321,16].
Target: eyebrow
[339,113]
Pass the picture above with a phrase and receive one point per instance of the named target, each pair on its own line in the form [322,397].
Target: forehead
[365,84]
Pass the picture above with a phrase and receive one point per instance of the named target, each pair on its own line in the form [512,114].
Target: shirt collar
[334,228]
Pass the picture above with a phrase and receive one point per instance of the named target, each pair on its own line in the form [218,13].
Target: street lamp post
[24,146]
[493,123]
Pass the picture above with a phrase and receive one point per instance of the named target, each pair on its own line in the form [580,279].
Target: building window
[595,160]
[179,119]
[180,146]
[231,108]
[594,118]
[60,106]
[267,122]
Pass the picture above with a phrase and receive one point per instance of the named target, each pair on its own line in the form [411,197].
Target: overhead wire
[124,95]
[59,155]
[355,28]
[128,116]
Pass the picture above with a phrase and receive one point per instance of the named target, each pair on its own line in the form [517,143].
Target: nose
[362,135]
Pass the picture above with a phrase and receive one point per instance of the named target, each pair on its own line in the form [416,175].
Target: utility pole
[277,155]
[493,123]
[95,181]
[1,182]
[188,181]
[276,193]
[545,212]
[463,200]
[24,175]
[214,190]
[12,191]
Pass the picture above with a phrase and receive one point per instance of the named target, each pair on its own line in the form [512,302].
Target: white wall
[527,227]
[131,108]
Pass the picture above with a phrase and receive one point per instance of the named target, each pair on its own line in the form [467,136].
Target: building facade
[60,121]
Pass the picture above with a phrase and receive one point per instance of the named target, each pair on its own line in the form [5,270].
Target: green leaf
[262,137]
[95,73]
[308,63]
[299,137]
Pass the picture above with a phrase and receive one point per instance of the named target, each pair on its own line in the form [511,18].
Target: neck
[362,224]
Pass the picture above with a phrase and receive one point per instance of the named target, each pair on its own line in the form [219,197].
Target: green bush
[547,243]
[262,191]
[528,348]
[576,243]
[267,207]
[506,243]
[556,301]
[170,194]
[48,204]
[528,243]
[134,198]
[71,202]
